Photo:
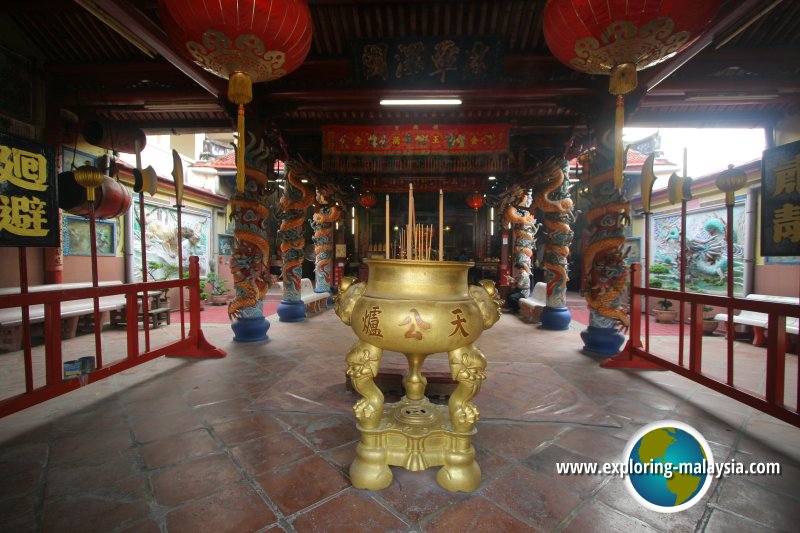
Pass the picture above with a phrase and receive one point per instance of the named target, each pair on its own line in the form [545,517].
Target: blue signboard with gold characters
[28,193]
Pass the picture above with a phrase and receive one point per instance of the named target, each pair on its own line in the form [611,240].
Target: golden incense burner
[416,308]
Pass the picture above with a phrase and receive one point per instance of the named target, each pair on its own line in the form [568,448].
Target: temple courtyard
[261,440]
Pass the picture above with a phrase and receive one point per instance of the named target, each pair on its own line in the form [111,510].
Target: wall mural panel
[706,254]
[634,247]
[72,159]
[162,241]
[787,260]
[226,244]
[77,238]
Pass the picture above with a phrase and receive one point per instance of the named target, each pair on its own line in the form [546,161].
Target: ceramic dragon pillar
[516,203]
[297,196]
[322,224]
[605,273]
[250,258]
[552,197]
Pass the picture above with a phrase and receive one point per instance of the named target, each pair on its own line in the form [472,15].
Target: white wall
[787,130]
[158,154]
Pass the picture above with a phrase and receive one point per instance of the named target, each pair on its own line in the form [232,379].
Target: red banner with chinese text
[414,139]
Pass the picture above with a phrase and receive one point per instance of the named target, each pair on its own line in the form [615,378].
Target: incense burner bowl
[416,308]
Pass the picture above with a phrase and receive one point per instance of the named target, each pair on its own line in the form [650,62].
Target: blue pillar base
[555,318]
[329,301]
[334,291]
[291,311]
[602,341]
[250,329]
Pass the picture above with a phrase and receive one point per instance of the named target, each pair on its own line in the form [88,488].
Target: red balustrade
[192,344]
[639,355]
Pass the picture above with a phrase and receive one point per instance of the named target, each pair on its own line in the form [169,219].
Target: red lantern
[619,37]
[367,200]
[243,41]
[475,201]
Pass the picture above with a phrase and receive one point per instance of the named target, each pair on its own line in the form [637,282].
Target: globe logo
[669,466]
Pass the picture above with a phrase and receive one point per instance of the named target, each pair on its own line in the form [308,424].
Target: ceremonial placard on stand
[780,201]
[28,193]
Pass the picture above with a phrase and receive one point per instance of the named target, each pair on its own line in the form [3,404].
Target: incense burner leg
[363,362]
[369,469]
[466,366]
[460,471]
[414,382]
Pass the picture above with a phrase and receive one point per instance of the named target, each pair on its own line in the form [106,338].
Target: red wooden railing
[637,354]
[192,344]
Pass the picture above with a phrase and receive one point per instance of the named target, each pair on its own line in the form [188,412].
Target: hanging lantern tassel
[240,92]
[623,80]
[89,177]
[592,35]
[619,122]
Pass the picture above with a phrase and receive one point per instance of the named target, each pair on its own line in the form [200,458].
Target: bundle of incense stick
[414,242]
[427,231]
[421,243]
[401,253]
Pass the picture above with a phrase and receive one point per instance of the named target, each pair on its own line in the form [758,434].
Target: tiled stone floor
[176,445]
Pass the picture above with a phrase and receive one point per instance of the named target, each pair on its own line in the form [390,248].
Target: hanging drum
[113,136]
[112,199]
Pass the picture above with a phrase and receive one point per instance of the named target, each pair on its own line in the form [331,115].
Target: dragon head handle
[487,297]
[345,300]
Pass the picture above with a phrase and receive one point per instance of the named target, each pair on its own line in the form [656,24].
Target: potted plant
[659,268]
[203,294]
[664,312]
[709,324]
[660,276]
[218,291]
[161,271]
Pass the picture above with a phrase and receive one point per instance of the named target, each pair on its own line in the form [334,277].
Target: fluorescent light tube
[421,101]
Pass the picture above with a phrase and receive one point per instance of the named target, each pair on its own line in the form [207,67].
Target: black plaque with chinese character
[28,193]
[780,200]
[427,61]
